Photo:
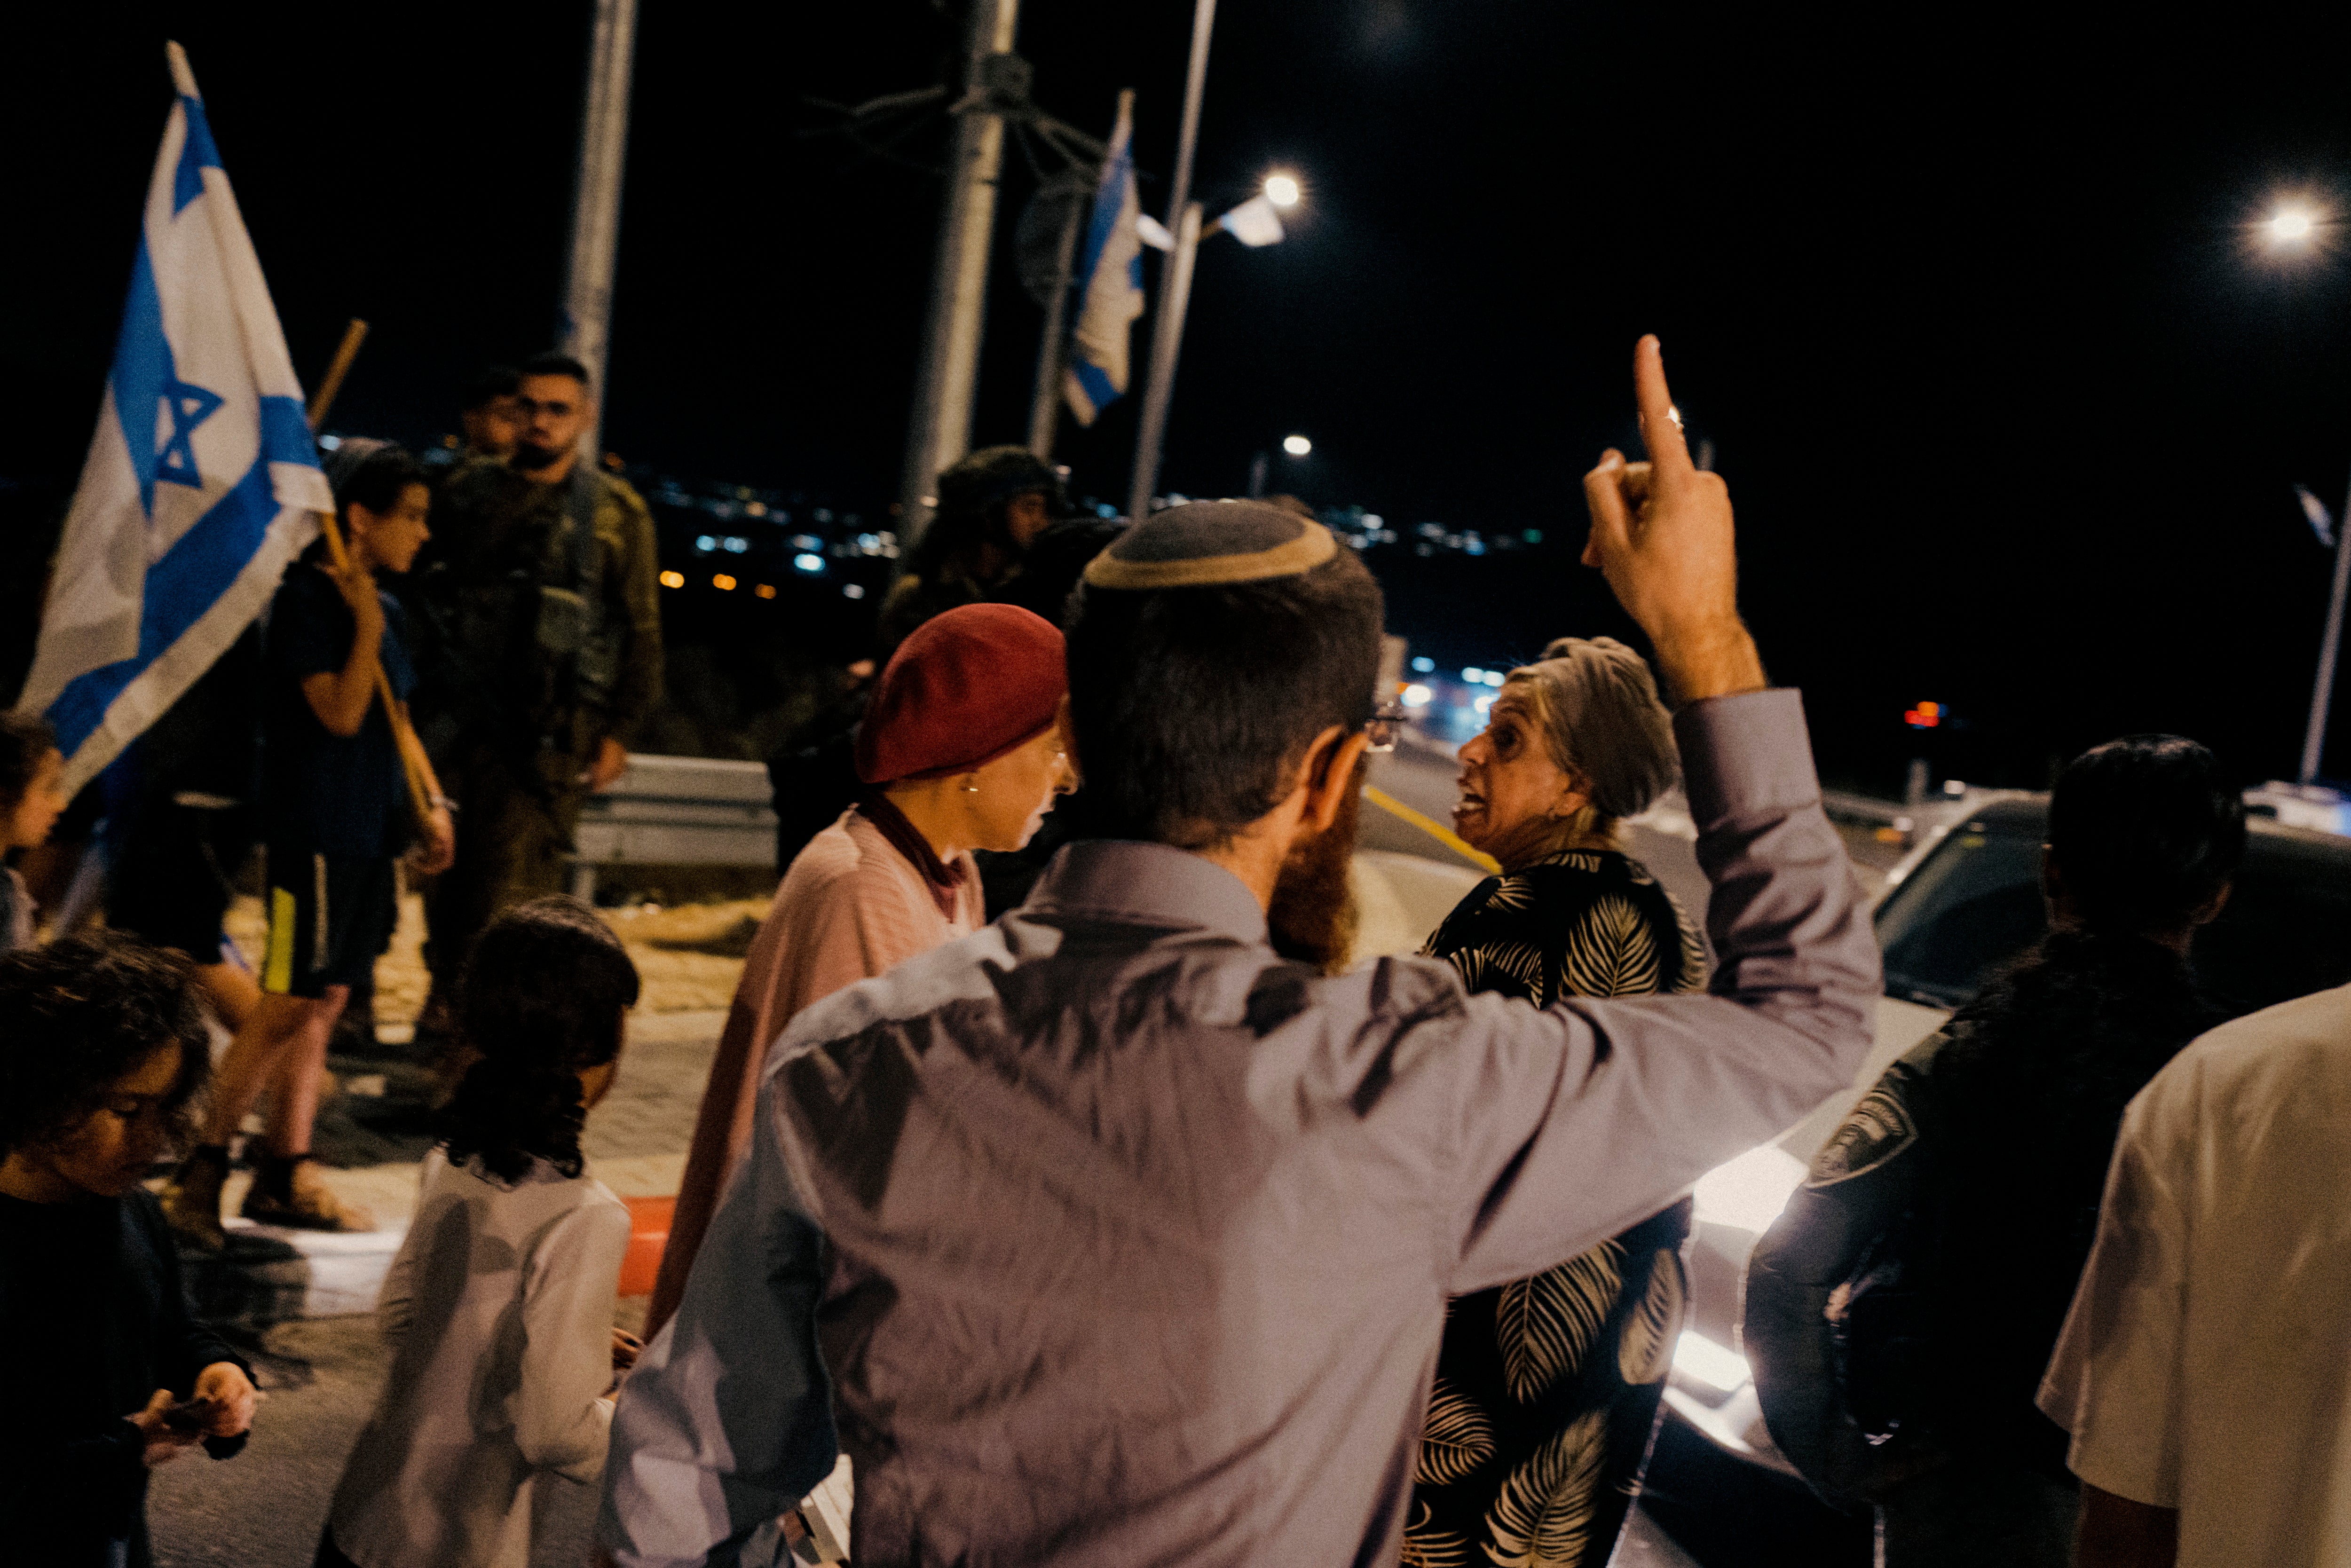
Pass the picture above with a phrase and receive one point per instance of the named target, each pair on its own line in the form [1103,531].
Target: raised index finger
[1659,429]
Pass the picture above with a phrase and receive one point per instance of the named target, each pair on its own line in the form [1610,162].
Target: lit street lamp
[1297,445]
[2294,226]
[1254,223]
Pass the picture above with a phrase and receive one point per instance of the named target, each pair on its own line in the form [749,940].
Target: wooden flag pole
[424,789]
[336,369]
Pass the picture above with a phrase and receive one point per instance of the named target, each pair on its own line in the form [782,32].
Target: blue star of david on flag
[186,407]
[202,481]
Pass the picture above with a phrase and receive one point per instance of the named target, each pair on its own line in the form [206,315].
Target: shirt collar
[937,875]
[1140,884]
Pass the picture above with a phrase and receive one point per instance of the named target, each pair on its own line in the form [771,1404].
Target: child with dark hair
[337,815]
[498,1307]
[31,797]
[103,1047]
[1900,1313]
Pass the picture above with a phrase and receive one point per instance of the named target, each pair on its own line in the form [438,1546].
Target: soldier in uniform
[555,639]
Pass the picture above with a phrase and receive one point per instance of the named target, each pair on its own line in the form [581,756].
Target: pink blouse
[851,906]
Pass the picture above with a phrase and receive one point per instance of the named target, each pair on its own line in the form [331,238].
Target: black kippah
[1203,543]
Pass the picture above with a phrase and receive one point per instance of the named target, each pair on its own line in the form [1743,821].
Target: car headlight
[1749,1192]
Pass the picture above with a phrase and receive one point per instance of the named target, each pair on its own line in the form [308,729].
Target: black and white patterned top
[1546,1388]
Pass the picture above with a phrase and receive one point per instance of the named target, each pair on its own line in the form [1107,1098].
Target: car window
[2286,930]
[1972,902]
[1976,902]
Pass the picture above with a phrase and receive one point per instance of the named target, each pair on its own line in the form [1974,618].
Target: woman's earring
[973,787]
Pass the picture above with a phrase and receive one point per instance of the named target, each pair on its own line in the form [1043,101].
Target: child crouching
[499,1306]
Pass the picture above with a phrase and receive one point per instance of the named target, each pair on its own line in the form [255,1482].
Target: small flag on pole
[201,482]
[1112,269]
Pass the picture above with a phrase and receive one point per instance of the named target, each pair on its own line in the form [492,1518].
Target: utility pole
[587,323]
[941,429]
[1175,277]
[2330,648]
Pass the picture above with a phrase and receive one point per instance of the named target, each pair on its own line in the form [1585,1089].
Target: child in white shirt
[499,1305]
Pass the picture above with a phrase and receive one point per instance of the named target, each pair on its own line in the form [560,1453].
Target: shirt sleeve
[638,691]
[1864,1178]
[306,637]
[727,1419]
[1568,1125]
[558,1413]
[2115,1379]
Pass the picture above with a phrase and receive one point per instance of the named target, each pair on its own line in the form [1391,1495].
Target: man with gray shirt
[1108,1235]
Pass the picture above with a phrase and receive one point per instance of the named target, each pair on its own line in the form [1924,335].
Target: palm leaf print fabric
[1546,1388]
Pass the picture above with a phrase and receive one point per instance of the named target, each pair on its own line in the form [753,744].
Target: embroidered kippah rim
[1313,547]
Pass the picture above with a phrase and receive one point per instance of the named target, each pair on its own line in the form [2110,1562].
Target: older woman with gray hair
[1547,1388]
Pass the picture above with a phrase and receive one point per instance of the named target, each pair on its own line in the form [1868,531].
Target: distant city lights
[724,583]
[853,591]
[808,561]
[1424,665]
[1281,189]
[1297,445]
[704,544]
[1416,695]
[1474,676]
[1484,702]
[673,580]
[765,590]
[1927,715]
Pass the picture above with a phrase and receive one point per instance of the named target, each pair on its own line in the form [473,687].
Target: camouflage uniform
[512,735]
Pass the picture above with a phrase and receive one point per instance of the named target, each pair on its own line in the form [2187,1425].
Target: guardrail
[676,810]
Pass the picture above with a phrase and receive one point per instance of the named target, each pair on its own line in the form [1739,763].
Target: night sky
[2010,404]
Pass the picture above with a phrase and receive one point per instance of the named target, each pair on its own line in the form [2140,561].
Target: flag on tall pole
[1112,269]
[201,482]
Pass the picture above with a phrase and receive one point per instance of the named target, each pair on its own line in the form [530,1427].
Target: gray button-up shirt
[1125,1242]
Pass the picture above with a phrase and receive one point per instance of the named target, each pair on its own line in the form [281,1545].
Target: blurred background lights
[1281,189]
[805,561]
[673,580]
[1416,695]
[1474,676]
[1482,704]
[1424,665]
[1297,445]
[1926,716]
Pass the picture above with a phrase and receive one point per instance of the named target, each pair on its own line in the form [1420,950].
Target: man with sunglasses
[548,597]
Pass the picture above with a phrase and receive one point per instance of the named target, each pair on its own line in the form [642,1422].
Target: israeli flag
[1112,270]
[202,481]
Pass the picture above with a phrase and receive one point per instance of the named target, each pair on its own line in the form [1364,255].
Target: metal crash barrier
[676,810]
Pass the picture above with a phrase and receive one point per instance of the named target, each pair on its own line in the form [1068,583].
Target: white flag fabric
[201,482]
[1254,222]
[1112,270]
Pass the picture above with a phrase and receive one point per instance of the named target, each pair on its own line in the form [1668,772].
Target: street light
[1281,189]
[1297,445]
[2291,226]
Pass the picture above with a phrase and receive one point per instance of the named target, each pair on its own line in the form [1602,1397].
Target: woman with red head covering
[960,750]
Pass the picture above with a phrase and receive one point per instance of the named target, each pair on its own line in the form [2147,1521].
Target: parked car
[1962,902]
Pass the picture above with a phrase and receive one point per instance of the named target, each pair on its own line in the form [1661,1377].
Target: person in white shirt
[499,1306]
[2205,1368]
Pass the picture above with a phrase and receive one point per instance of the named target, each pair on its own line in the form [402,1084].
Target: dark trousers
[1979,1510]
[514,844]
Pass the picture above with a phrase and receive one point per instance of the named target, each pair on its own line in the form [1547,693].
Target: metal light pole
[1175,278]
[2321,691]
[1045,405]
[596,204]
[941,429]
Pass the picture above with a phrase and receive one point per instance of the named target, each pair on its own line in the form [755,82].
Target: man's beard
[531,459]
[1313,917]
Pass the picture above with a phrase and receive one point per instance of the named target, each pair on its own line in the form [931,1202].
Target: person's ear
[2210,909]
[1329,773]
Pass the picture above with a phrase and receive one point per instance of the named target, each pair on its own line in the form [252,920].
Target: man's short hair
[2146,831]
[78,1014]
[554,362]
[1192,706]
[489,384]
